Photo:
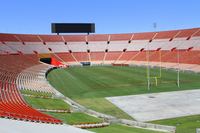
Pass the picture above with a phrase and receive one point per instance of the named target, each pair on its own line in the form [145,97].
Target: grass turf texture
[47,103]
[90,85]
[186,124]
[115,128]
[75,118]
[104,106]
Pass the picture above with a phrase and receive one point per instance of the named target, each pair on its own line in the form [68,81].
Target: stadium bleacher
[12,104]
[20,67]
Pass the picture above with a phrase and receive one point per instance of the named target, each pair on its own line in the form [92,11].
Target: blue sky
[110,16]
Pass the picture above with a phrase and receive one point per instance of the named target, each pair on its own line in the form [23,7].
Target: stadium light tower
[154,25]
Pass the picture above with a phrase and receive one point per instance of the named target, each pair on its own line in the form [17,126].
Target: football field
[98,82]
[90,86]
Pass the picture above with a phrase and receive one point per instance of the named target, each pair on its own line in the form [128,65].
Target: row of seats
[182,56]
[182,67]
[33,78]
[92,125]
[12,105]
[29,44]
[187,33]
[39,48]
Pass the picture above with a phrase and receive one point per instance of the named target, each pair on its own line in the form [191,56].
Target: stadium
[136,82]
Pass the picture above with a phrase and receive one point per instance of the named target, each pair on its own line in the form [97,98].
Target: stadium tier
[20,67]
[113,48]
[33,78]
[12,103]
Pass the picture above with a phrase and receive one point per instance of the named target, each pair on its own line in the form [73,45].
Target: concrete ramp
[15,126]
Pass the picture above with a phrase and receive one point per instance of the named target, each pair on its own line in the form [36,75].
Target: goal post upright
[148,67]
[178,68]
[160,54]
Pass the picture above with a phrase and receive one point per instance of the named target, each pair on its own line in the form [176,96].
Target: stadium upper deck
[112,48]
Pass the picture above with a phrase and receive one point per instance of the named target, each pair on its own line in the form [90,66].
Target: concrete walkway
[15,126]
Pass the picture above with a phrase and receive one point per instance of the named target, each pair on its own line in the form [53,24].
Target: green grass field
[69,118]
[90,85]
[186,124]
[104,106]
[75,118]
[115,128]
[98,82]
[47,103]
